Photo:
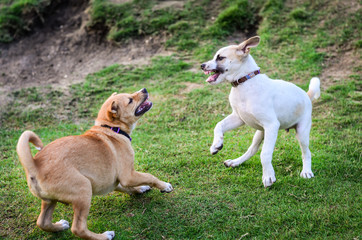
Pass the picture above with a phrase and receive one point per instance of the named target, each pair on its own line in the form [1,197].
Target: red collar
[245,78]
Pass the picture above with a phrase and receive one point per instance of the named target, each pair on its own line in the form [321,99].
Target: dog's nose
[203,66]
[144,90]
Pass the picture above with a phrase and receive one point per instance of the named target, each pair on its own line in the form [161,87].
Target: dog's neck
[124,127]
[248,65]
[118,130]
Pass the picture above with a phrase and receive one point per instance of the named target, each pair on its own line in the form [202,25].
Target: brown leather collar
[245,78]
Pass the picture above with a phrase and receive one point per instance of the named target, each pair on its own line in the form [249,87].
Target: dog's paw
[143,189]
[168,188]
[63,223]
[231,163]
[215,148]
[109,234]
[306,174]
[269,180]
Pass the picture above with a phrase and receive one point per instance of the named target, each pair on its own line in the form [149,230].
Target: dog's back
[65,161]
[290,103]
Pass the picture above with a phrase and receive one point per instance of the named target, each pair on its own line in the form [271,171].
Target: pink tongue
[213,77]
[145,103]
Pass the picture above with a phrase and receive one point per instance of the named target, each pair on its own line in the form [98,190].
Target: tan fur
[311,94]
[244,47]
[72,169]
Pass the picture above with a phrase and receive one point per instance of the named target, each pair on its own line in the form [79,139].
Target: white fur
[64,223]
[314,86]
[109,234]
[144,188]
[168,188]
[265,104]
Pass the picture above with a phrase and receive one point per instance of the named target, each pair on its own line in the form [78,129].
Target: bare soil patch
[339,66]
[191,86]
[169,4]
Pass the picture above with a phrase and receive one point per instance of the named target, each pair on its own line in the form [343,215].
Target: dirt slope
[62,52]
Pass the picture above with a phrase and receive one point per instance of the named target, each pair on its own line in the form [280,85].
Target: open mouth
[214,75]
[143,107]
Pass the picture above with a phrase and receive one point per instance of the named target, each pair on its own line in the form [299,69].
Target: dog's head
[228,61]
[123,110]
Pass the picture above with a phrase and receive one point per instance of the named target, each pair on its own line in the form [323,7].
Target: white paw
[215,148]
[306,174]
[143,189]
[231,163]
[268,180]
[168,188]
[109,234]
[64,223]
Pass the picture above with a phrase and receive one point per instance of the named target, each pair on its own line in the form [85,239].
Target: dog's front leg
[135,179]
[270,137]
[132,190]
[258,138]
[230,122]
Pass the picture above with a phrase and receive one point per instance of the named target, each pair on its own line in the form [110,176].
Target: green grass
[17,17]
[235,17]
[141,18]
[172,142]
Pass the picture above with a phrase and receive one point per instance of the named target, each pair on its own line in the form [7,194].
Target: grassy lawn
[172,140]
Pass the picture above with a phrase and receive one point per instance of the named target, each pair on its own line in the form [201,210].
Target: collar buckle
[235,83]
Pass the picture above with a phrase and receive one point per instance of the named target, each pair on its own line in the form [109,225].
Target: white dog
[262,103]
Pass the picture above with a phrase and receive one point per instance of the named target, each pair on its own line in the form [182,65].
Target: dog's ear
[115,93]
[244,47]
[112,111]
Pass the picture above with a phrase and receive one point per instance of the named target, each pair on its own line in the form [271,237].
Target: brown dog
[72,169]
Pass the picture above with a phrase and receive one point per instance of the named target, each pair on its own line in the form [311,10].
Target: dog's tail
[314,88]
[24,153]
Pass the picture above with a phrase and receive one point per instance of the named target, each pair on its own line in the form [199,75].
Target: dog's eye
[130,101]
[219,58]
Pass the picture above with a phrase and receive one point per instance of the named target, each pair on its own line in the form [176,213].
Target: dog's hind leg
[81,205]
[303,130]
[257,139]
[270,137]
[45,218]
[230,122]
